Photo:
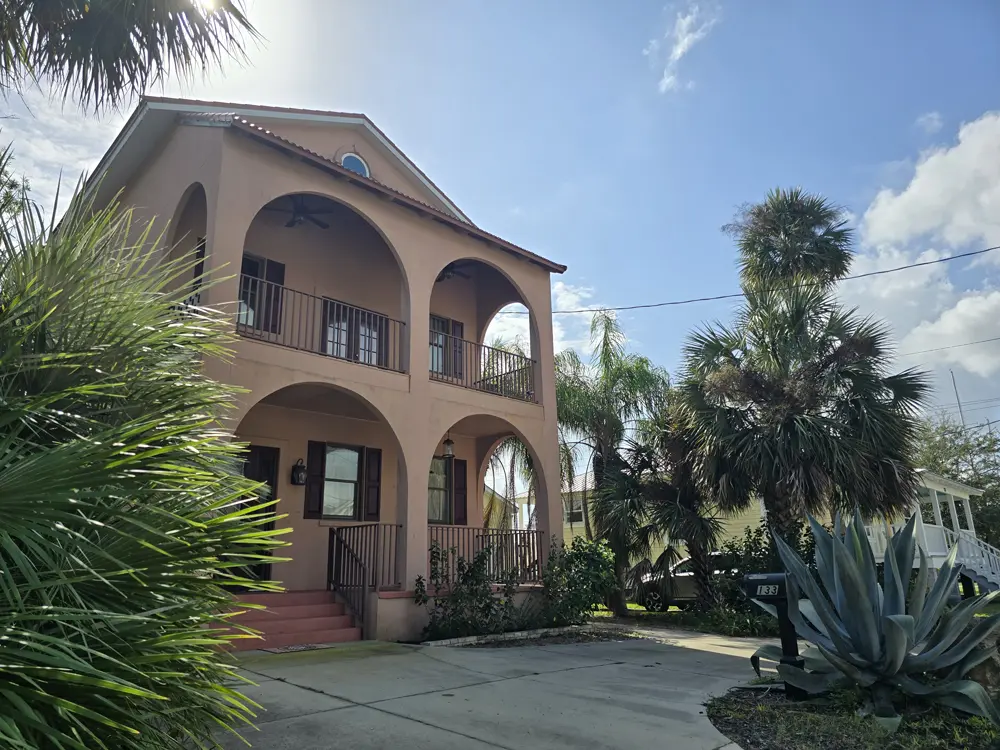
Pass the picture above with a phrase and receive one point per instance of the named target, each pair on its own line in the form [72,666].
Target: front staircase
[296,618]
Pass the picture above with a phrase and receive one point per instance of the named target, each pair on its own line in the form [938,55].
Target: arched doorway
[188,231]
[317,276]
[340,470]
[468,514]
[466,297]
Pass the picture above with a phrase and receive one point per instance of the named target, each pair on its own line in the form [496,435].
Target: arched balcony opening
[188,230]
[467,295]
[475,507]
[317,276]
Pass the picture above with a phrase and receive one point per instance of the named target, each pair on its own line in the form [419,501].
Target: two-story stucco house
[360,296]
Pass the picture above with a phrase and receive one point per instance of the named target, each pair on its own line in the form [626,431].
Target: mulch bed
[767,720]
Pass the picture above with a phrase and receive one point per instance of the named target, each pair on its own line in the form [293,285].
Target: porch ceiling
[324,399]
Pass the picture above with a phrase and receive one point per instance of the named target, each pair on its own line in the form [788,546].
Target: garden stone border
[515,635]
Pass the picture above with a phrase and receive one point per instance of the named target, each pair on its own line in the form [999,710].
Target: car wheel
[654,602]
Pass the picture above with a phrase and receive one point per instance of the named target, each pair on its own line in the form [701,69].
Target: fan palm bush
[893,634]
[126,521]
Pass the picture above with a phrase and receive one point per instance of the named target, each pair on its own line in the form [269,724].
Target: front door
[261,465]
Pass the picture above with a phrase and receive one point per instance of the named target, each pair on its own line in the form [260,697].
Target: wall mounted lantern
[299,472]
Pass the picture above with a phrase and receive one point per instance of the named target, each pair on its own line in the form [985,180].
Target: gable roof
[155,116]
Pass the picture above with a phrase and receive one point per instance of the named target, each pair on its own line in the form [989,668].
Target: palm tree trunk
[586,515]
[783,517]
[616,600]
[701,568]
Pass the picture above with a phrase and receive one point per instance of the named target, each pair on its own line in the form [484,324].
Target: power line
[737,295]
[950,346]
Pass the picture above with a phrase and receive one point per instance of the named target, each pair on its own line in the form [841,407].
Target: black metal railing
[481,367]
[515,551]
[348,576]
[377,546]
[271,312]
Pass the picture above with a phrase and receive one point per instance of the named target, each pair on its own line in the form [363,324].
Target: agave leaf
[815,661]
[824,553]
[961,649]
[947,577]
[802,578]
[915,606]
[950,628]
[767,607]
[861,623]
[973,659]
[809,612]
[769,652]
[874,590]
[965,695]
[859,675]
[889,724]
[813,683]
[904,547]
[898,630]
[895,593]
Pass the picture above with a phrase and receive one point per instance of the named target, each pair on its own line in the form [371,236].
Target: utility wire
[950,346]
[737,295]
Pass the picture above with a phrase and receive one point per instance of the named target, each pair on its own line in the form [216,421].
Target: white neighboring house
[951,503]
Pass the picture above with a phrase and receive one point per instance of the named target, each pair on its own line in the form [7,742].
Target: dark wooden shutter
[315,479]
[372,488]
[274,274]
[460,491]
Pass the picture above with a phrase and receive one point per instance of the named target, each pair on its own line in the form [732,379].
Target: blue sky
[618,141]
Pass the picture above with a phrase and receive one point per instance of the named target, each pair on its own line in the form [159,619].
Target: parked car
[678,589]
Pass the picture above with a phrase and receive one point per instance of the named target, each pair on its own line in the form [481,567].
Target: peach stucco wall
[240,176]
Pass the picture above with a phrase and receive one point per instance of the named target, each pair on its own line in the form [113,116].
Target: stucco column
[226,234]
[968,515]
[413,515]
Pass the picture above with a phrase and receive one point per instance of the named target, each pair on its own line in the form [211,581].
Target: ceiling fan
[453,269]
[301,213]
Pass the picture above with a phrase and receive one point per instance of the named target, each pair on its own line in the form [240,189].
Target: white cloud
[54,144]
[974,317]
[690,26]
[953,196]
[929,122]
[568,331]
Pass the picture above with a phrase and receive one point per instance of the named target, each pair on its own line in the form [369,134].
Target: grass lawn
[758,720]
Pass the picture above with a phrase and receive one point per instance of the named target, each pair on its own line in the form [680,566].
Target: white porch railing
[977,556]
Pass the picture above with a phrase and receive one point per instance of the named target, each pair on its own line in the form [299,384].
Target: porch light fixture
[299,472]
[449,446]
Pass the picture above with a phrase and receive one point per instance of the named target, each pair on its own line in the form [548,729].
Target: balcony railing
[377,546]
[271,312]
[516,551]
[480,367]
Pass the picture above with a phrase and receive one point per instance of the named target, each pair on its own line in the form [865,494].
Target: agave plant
[873,634]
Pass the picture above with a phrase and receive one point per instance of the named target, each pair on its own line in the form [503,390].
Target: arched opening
[466,297]
[317,276]
[468,510]
[188,230]
[337,466]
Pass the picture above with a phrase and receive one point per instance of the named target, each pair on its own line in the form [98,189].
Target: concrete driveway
[612,694]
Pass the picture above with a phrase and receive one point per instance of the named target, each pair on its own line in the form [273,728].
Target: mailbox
[768,587]
[773,589]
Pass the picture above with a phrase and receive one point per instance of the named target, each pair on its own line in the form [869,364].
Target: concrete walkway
[614,695]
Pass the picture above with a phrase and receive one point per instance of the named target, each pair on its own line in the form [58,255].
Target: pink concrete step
[259,617]
[289,598]
[304,624]
[280,640]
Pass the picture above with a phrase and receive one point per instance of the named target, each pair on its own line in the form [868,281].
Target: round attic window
[355,163]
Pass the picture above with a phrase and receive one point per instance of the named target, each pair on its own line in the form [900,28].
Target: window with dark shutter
[460,491]
[373,484]
[315,479]
[261,290]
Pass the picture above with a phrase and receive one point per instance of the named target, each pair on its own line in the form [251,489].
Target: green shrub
[126,518]
[465,602]
[575,581]
[884,636]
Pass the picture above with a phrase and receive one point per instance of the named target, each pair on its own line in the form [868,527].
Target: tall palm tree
[794,403]
[598,404]
[678,501]
[106,51]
